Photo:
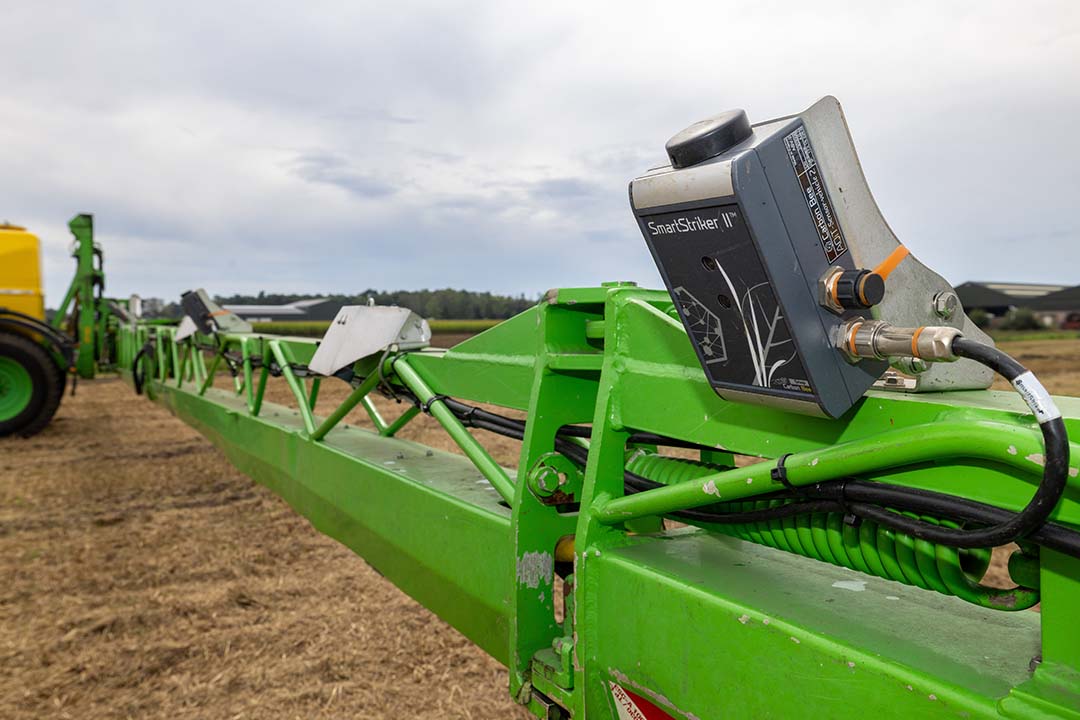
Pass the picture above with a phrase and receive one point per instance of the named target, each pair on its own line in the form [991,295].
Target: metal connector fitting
[880,341]
[825,288]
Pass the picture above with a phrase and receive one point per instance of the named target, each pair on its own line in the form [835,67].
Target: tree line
[446,304]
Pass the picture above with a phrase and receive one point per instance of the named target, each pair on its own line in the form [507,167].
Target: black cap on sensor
[708,138]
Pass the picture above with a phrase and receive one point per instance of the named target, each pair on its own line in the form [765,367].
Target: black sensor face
[753,251]
[723,294]
[772,247]
[196,309]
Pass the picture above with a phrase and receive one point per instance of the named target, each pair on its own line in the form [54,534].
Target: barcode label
[801,155]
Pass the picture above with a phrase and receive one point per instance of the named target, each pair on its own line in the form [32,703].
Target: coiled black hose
[882,503]
[138,373]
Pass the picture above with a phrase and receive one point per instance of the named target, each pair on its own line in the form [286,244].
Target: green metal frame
[695,622]
[94,328]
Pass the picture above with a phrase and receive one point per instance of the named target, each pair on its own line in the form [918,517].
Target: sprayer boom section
[697,621]
[770,490]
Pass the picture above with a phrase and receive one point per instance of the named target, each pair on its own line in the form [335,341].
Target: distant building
[1054,305]
[1059,309]
[977,296]
[314,309]
[997,298]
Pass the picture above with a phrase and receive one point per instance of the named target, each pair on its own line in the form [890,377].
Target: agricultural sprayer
[770,490]
[36,356]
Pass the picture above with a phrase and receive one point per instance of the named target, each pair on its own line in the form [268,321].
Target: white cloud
[339,146]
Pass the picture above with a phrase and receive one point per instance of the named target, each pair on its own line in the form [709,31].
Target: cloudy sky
[336,146]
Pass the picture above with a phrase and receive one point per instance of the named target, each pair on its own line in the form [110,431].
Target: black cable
[460,409]
[871,500]
[484,425]
[988,355]
[765,514]
[137,378]
[1047,495]
[882,495]
[638,438]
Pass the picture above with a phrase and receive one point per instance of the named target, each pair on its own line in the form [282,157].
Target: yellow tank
[20,271]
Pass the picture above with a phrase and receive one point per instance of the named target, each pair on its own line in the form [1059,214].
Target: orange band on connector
[851,340]
[885,268]
[218,313]
[915,341]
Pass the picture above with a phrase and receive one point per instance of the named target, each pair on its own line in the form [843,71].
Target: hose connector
[879,340]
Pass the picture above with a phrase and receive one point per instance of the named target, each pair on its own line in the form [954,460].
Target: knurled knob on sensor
[859,289]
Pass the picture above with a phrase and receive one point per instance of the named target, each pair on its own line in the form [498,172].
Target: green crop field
[309,328]
[1028,335]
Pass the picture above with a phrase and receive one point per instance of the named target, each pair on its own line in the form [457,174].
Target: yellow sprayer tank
[20,271]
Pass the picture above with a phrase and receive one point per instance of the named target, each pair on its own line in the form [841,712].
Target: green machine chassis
[91,322]
[662,619]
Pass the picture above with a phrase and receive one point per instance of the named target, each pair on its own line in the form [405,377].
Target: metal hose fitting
[879,340]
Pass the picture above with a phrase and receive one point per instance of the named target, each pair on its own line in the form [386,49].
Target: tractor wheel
[31,385]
